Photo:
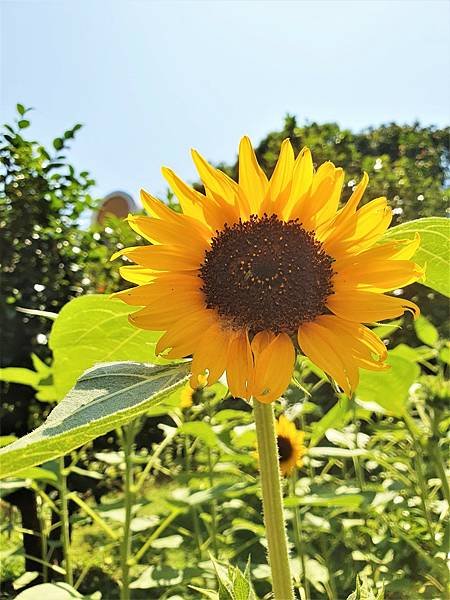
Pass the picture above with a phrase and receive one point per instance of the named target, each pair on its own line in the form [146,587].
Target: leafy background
[371,498]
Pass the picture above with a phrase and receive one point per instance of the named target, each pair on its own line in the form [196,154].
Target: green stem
[438,462]
[44,542]
[298,540]
[423,492]
[211,484]
[153,458]
[64,516]
[197,534]
[273,501]
[129,497]
[155,535]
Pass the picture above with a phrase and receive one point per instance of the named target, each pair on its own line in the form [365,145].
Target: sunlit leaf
[104,398]
[426,331]
[434,248]
[389,388]
[350,501]
[202,431]
[93,329]
[55,591]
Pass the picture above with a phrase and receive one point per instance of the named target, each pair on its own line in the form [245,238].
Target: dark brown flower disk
[285,448]
[266,274]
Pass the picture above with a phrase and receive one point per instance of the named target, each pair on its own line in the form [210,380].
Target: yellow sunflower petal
[214,179]
[332,359]
[274,365]
[137,274]
[346,212]
[185,331]
[280,182]
[382,275]
[360,231]
[323,199]
[240,366]
[395,250]
[218,211]
[302,178]
[369,307]
[158,320]
[163,285]
[164,257]
[282,174]
[186,232]
[357,337]
[158,209]
[252,179]
[211,354]
[191,201]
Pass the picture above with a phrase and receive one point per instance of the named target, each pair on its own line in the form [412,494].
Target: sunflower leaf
[93,329]
[104,398]
[426,331]
[433,250]
[389,389]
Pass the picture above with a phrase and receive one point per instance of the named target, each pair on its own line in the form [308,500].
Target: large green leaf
[55,591]
[389,389]
[105,397]
[426,331]
[433,251]
[93,329]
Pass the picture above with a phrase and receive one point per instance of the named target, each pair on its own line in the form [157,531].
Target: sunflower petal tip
[116,255]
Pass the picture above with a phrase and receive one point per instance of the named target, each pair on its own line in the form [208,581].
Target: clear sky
[150,79]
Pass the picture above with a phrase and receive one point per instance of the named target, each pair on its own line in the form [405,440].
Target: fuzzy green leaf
[103,399]
[433,251]
[93,329]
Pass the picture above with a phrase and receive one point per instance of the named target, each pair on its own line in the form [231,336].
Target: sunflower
[290,445]
[189,394]
[253,272]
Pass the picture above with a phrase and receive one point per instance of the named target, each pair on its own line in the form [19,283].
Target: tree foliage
[46,257]
[408,164]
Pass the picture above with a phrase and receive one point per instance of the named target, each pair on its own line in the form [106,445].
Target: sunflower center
[284,448]
[266,274]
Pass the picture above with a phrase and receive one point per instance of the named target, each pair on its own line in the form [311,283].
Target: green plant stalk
[94,516]
[155,535]
[423,492]
[44,542]
[298,540]
[197,535]
[438,462]
[356,462]
[213,505]
[273,501]
[153,458]
[211,483]
[64,516]
[129,498]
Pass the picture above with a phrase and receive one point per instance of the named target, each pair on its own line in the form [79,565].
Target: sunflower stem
[65,519]
[273,501]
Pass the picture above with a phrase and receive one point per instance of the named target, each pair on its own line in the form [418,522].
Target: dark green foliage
[408,164]
[46,258]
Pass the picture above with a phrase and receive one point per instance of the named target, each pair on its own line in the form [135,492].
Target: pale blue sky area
[150,79]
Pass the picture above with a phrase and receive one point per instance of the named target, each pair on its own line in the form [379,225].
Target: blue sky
[150,79]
